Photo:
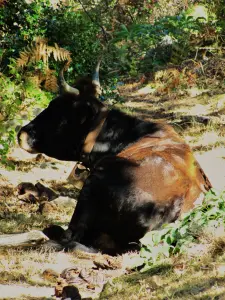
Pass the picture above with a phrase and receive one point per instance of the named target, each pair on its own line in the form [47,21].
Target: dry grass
[192,276]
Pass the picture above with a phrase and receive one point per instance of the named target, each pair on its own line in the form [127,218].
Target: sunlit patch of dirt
[28,268]
[213,163]
[21,292]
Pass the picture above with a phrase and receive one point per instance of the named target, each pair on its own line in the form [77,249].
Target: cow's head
[61,129]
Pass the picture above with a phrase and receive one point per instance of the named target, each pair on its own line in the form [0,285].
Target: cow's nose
[26,142]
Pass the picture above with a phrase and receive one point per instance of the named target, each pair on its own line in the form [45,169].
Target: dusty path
[213,163]
[18,291]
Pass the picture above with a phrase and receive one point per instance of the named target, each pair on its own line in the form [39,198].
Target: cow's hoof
[54,232]
[75,246]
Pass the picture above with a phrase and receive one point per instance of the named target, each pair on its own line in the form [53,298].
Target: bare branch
[25,239]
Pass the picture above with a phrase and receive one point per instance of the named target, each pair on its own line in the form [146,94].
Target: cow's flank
[142,174]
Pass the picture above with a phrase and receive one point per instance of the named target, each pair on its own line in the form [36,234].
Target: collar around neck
[92,136]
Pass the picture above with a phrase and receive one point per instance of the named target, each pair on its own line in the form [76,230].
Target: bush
[17,104]
[20,23]
[73,30]
[170,39]
[175,238]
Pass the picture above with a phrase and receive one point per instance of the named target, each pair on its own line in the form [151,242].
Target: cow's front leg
[58,241]
[83,223]
[79,225]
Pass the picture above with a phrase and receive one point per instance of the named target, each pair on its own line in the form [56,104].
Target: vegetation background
[161,59]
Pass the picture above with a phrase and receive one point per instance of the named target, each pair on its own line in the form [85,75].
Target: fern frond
[23,60]
[40,50]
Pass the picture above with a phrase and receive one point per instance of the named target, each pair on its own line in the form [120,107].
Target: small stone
[64,202]
[46,208]
[50,275]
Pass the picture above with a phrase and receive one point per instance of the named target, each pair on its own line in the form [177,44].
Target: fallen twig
[31,238]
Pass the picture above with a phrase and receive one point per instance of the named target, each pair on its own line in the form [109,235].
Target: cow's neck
[117,131]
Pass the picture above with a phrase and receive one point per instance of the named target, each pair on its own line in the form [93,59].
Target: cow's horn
[95,77]
[64,87]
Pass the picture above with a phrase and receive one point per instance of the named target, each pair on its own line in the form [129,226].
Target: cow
[142,173]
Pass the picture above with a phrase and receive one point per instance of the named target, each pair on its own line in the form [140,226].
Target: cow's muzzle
[26,142]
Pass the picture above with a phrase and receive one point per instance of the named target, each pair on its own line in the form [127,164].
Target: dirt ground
[200,119]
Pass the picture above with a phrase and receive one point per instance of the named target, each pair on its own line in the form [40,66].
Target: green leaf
[145,253]
[166,250]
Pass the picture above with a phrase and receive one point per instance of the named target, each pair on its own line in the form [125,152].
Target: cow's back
[167,171]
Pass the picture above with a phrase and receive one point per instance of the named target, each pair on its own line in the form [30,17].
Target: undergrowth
[175,238]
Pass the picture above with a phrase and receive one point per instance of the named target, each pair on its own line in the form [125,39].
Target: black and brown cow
[142,174]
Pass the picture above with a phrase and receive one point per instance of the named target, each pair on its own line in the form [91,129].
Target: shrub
[20,23]
[175,238]
[17,104]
